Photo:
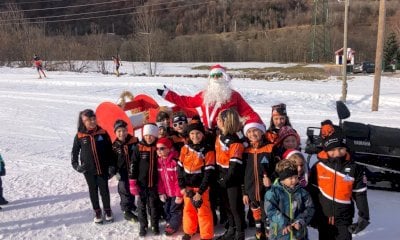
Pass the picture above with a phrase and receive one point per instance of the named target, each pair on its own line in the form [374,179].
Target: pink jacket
[168,175]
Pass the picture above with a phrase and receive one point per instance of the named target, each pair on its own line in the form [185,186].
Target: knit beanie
[119,124]
[150,129]
[332,136]
[287,172]
[195,126]
[279,110]
[165,141]
[285,132]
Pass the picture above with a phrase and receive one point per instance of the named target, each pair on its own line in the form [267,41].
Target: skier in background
[117,63]
[37,62]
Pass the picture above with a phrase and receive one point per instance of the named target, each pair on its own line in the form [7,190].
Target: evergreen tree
[391,50]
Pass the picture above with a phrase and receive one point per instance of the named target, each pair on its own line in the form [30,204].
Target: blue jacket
[285,206]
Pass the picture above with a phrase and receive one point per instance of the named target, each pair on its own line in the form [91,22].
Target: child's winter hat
[119,124]
[179,117]
[290,152]
[254,123]
[332,136]
[165,141]
[285,132]
[219,71]
[150,129]
[279,110]
[195,126]
[286,168]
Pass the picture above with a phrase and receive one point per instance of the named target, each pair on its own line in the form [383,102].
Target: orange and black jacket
[257,162]
[123,153]
[178,139]
[144,164]
[336,183]
[196,166]
[93,151]
[228,153]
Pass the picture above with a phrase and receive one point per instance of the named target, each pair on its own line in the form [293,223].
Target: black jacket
[123,154]
[144,164]
[335,184]
[93,151]
[257,162]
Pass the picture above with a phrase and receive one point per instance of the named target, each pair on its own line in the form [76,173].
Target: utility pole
[378,56]
[344,57]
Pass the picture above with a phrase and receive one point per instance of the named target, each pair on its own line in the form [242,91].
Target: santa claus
[216,97]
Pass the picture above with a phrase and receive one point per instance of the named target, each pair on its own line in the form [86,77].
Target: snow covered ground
[49,200]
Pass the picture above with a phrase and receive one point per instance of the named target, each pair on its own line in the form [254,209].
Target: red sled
[107,113]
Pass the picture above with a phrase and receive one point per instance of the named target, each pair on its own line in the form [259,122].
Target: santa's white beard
[218,92]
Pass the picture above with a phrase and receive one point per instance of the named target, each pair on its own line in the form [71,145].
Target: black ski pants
[232,199]
[148,197]
[96,183]
[127,202]
[333,232]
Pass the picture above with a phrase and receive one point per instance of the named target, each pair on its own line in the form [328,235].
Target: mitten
[359,226]
[133,188]
[81,168]
[197,204]
[163,198]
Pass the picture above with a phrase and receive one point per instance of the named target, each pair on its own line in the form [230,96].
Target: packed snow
[49,200]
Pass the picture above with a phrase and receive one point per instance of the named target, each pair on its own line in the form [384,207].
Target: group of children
[185,173]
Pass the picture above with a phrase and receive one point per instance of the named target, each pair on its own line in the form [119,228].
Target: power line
[112,15]
[21,3]
[63,7]
[68,15]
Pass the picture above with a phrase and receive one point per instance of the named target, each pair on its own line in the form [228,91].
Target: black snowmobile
[377,148]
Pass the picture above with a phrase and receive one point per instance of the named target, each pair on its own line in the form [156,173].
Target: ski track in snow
[49,200]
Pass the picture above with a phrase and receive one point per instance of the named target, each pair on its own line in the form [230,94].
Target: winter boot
[228,234]
[260,235]
[142,231]
[108,215]
[155,230]
[169,230]
[130,216]
[98,218]
[3,201]
[186,236]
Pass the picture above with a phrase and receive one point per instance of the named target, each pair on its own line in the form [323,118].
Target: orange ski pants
[202,216]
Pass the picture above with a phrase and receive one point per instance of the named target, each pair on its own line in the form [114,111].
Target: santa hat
[218,69]
[290,152]
[332,136]
[150,129]
[254,123]
[285,132]
[165,141]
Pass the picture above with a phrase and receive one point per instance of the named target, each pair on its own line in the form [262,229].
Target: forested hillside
[184,30]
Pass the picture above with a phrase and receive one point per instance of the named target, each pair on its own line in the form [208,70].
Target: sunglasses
[180,123]
[216,75]
[161,148]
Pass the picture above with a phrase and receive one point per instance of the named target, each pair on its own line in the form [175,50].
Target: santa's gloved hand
[359,226]
[161,91]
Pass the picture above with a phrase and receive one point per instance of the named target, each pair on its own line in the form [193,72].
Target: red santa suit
[210,112]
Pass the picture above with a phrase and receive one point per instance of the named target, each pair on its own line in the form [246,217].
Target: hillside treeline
[156,30]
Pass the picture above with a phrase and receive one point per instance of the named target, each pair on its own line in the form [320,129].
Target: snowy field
[49,200]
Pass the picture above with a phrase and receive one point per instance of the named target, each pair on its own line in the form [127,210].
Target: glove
[163,198]
[133,188]
[81,168]
[197,204]
[161,91]
[359,226]
[222,182]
